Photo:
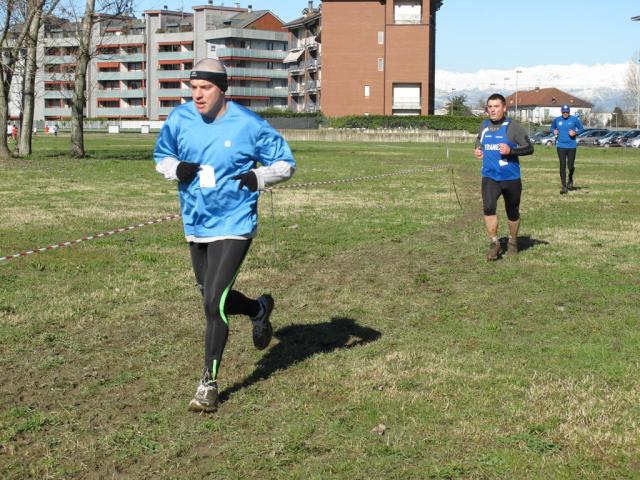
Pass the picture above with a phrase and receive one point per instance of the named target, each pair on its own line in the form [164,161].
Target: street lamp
[517,72]
[451,101]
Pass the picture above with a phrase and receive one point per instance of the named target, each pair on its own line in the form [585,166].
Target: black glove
[186,171]
[249,180]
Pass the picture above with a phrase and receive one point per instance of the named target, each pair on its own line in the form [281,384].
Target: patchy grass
[386,314]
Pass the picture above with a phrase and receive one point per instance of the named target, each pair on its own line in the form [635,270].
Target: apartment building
[378,57]
[252,44]
[140,68]
[304,60]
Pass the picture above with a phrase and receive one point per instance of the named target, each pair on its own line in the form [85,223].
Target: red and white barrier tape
[89,237]
[172,217]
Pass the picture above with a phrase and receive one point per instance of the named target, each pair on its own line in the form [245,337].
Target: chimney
[210,2]
[166,8]
[237,5]
[310,6]
[249,8]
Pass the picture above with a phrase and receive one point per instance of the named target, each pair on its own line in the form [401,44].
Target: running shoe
[262,329]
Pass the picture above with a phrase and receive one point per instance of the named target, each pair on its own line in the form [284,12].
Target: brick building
[378,57]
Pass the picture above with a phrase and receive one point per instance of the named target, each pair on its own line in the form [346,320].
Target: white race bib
[503,163]
[207,176]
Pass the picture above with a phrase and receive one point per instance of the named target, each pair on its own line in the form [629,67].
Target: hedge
[431,122]
[273,113]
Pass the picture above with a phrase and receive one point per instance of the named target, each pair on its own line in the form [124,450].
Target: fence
[363,135]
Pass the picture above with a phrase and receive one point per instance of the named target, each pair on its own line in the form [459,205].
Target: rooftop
[546,97]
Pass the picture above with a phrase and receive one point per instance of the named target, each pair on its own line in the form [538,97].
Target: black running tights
[216,265]
[566,155]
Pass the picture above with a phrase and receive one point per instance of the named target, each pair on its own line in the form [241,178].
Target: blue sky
[503,34]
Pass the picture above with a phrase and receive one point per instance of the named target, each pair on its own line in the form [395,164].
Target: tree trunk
[5,83]
[80,84]
[29,83]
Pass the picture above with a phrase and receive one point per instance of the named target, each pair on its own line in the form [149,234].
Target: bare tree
[108,10]
[632,83]
[29,76]
[13,31]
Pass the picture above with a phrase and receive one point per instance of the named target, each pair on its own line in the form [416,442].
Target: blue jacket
[563,126]
[212,205]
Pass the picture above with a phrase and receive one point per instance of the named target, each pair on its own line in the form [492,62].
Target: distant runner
[566,128]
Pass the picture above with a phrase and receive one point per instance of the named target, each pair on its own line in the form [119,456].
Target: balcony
[296,89]
[163,111]
[257,92]
[173,92]
[58,77]
[312,64]
[125,93]
[120,57]
[57,112]
[59,59]
[313,86]
[58,94]
[297,69]
[121,112]
[188,55]
[132,75]
[251,53]
[172,73]
[257,72]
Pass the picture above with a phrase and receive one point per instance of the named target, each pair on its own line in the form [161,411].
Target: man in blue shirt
[566,127]
[212,146]
[499,145]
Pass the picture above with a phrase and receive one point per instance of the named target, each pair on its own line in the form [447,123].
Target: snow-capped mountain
[602,85]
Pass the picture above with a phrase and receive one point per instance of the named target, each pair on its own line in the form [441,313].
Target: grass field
[387,314]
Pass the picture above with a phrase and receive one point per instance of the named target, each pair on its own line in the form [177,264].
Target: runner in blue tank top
[499,145]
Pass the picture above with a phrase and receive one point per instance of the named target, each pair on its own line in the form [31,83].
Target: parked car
[548,140]
[630,135]
[536,137]
[589,137]
[610,138]
[635,142]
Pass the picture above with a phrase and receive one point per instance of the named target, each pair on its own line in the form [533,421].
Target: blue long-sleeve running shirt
[212,205]
[564,125]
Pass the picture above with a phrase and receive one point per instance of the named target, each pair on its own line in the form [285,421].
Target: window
[367,91]
[169,84]
[406,98]
[108,104]
[380,38]
[168,103]
[381,64]
[407,11]
[169,48]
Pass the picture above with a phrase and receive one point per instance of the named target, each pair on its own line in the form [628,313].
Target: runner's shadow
[524,243]
[299,342]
